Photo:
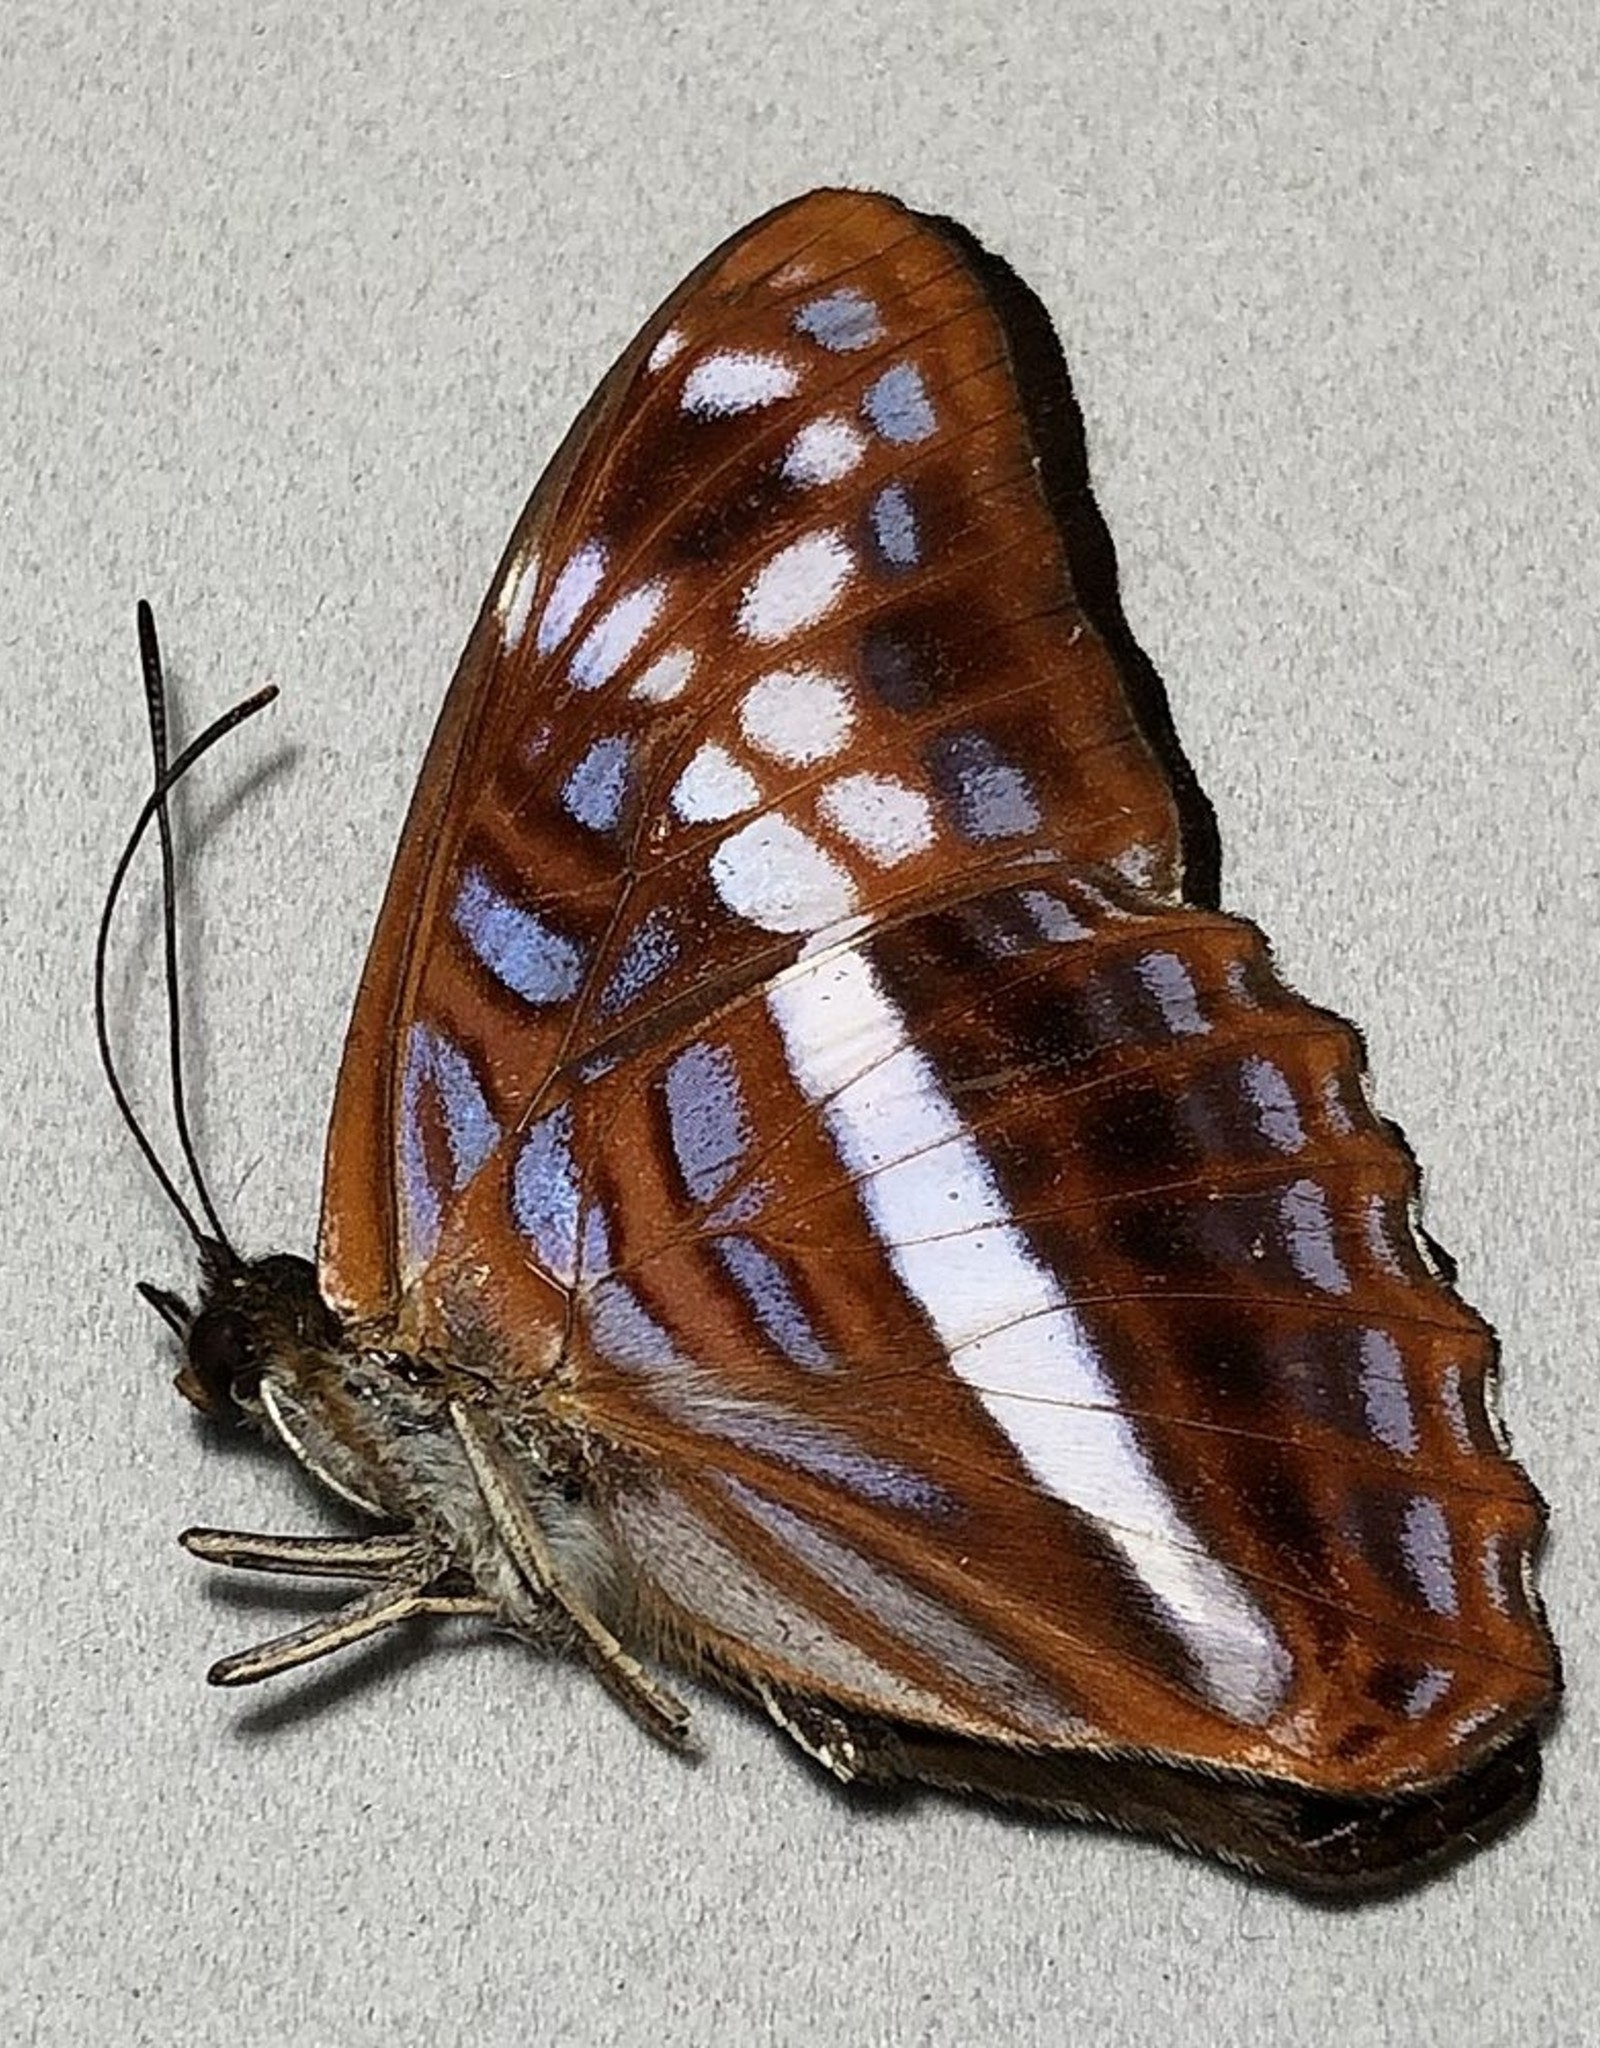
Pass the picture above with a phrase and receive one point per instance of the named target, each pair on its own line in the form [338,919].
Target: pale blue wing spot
[1267,1090]
[894,527]
[435,1065]
[1383,1390]
[614,636]
[650,949]
[1498,1565]
[1308,1227]
[597,788]
[419,1196]
[827,1453]
[1425,1538]
[596,1242]
[744,1205]
[545,1193]
[988,794]
[570,594]
[773,1302]
[1170,982]
[1452,1401]
[1057,924]
[623,1330]
[521,949]
[898,405]
[706,1112]
[1428,1691]
[842,321]
[469,1123]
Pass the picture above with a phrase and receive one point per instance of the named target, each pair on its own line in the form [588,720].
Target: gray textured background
[293,304]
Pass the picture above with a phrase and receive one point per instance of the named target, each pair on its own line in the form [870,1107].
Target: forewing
[831,502]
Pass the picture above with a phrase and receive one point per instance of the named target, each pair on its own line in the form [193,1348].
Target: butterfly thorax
[388,1427]
[266,1348]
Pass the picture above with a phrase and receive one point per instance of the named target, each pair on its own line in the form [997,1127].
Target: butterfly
[819,1198]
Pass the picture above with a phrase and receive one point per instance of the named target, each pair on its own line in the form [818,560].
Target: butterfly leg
[622,1675]
[409,1583]
[384,1607]
[311,1557]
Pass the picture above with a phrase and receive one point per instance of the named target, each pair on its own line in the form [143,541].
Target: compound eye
[221,1365]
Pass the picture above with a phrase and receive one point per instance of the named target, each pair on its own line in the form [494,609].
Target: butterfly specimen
[819,1197]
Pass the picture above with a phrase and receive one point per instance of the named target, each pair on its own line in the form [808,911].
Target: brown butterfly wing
[827,392]
[787,1054]
[1028,1291]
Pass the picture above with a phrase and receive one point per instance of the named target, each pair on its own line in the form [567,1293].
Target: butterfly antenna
[156,807]
[155,700]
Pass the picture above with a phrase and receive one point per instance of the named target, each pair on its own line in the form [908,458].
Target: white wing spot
[888,821]
[615,634]
[824,450]
[778,877]
[713,786]
[665,677]
[669,345]
[797,715]
[800,585]
[737,380]
[570,594]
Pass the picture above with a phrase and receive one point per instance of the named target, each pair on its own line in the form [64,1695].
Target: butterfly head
[262,1345]
[255,1317]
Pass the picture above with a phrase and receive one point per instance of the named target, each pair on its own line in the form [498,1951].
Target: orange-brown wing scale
[788,1056]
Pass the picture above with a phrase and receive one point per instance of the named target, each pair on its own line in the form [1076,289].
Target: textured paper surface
[296,303]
